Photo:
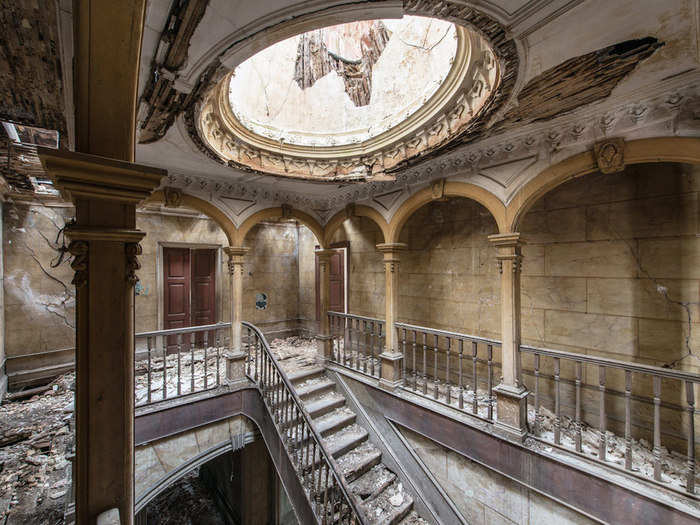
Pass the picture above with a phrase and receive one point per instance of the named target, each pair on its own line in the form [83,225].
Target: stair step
[413,519]
[334,421]
[389,507]
[372,483]
[304,373]
[358,461]
[342,442]
[314,386]
[324,404]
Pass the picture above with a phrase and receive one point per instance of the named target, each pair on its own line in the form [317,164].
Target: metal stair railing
[325,486]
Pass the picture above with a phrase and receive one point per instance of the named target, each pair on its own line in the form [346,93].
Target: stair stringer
[430,501]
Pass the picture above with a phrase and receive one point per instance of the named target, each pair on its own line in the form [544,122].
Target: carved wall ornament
[79,250]
[132,250]
[173,197]
[610,155]
[437,189]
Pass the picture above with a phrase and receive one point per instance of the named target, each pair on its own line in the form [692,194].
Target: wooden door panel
[176,291]
[337,283]
[204,290]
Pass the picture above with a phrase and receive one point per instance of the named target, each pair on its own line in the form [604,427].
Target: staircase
[382,496]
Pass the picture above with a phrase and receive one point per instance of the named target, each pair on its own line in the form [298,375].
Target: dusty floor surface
[185,502]
[34,440]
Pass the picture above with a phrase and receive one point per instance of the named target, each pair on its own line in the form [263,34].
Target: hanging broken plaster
[260,301]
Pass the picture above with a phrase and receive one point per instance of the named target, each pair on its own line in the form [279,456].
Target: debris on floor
[185,502]
[35,439]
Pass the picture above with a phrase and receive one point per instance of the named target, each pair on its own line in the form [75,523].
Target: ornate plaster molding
[668,109]
[475,74]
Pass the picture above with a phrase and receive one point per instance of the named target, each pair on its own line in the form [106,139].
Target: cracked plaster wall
[612,269]
[40,300]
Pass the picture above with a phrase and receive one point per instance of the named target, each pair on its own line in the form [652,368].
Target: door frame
[218,280]
[344,246]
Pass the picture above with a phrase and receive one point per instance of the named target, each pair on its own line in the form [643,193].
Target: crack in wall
[53,304]
[663,291]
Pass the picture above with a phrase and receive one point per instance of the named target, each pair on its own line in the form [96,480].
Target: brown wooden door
[176,276]
[204,290]
[337,284]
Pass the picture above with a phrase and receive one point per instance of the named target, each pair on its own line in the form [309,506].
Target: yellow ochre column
[235,358]
[391,355]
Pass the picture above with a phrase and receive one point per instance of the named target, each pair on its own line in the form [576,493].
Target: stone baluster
[236,355]
[105,246]
[391,356]
[511,394]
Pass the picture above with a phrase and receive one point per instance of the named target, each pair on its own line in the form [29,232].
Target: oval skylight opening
[343,84]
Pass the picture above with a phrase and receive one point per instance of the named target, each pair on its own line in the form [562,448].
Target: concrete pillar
[324,289]
[235,359]
[105,247]
[511,394]
[391,356]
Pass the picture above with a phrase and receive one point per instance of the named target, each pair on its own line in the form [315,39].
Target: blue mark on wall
[261,301]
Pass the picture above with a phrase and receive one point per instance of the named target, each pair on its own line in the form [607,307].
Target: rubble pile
[172,371]
[35,440]
[295,353]
[673,464]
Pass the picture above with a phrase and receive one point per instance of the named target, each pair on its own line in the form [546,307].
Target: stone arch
[359,210]
[205,207]
[661,149]
[275,213]
[451,189]
[158,464]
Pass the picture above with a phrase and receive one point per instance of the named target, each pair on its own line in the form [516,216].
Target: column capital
[83,176]
[506,240]
[236,251]
[392,247]
[391,251]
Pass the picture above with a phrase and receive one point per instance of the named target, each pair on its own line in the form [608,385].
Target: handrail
[446,333]
[188,330]
[353,316]
[614,363]
[327,457]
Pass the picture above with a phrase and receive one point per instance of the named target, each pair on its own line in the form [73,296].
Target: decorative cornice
[79,175]
[667,109]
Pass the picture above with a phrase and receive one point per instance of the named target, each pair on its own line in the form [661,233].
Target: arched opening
[183,279]
[610,270]
[279,294]
[449,300]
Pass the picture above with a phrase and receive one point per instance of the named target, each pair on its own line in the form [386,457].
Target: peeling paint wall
[39,300]
[272,268]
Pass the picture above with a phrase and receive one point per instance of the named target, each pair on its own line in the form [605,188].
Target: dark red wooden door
[204,289]
[337,284]
[176,276]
